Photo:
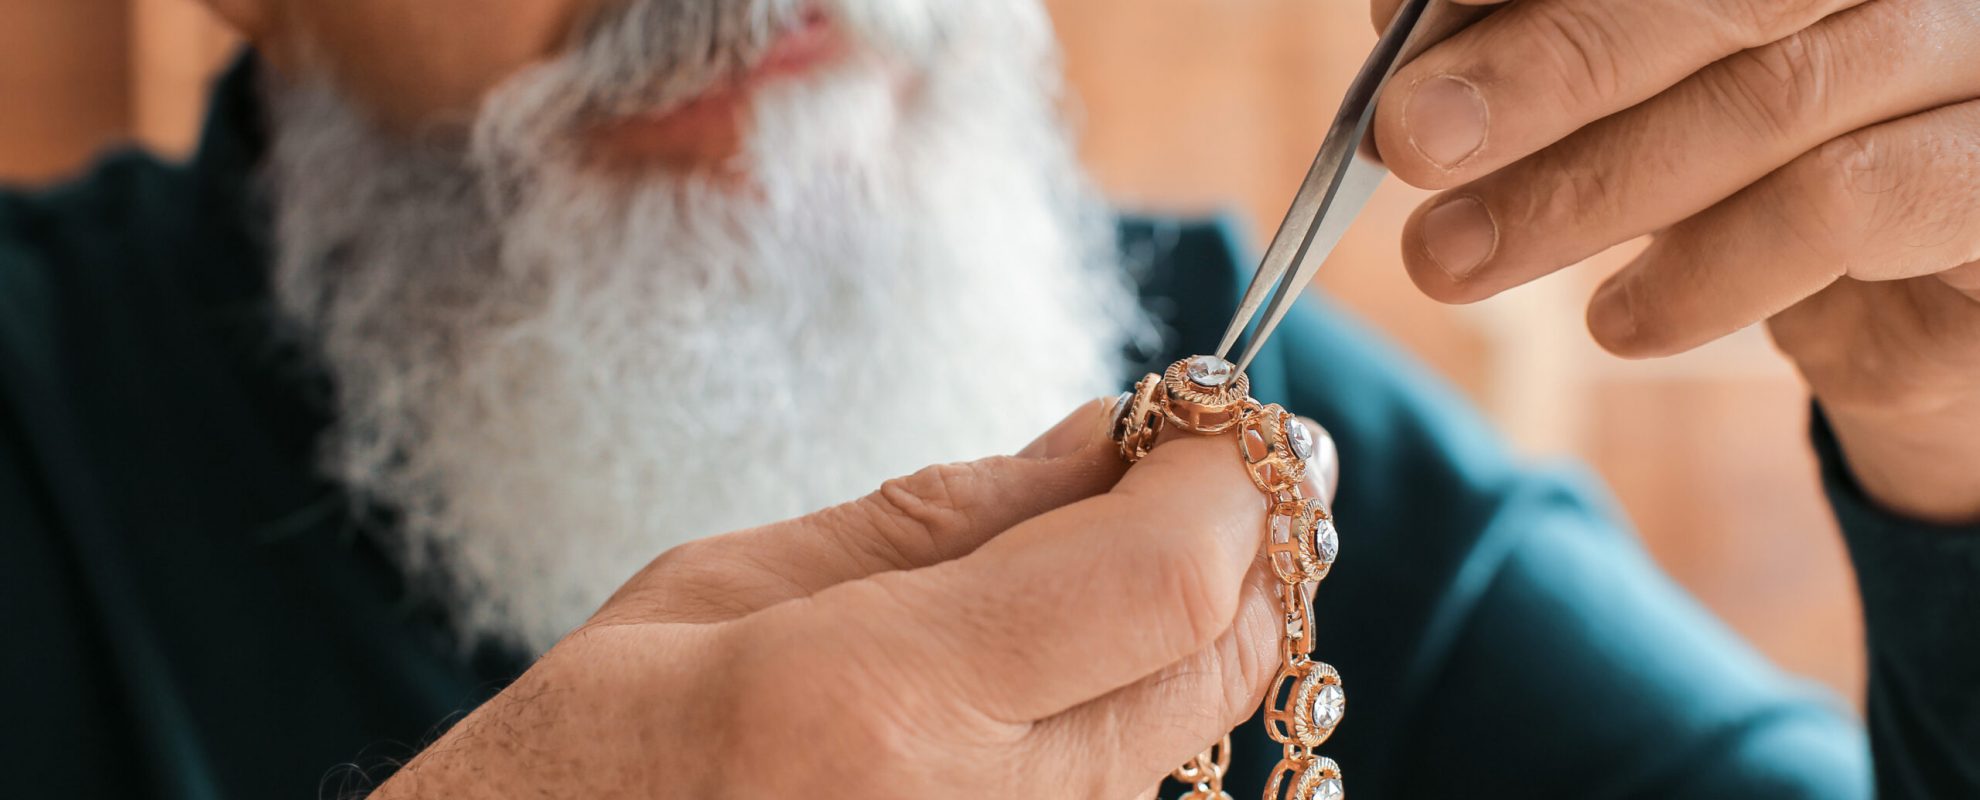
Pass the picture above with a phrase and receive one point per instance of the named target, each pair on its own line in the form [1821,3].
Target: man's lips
[805,48]
[709,129]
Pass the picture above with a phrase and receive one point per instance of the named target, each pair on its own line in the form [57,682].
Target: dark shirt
[192,612]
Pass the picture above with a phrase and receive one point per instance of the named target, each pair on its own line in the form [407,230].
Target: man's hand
[1815,163]
[1032,626]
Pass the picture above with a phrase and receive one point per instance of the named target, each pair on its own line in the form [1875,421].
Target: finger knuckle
[1855,169]
[929,507]
[1867,186]
[688,581]
[1583,48]
[1752,23]
[1577,192]
[1834,201]
[1778,88]
[685,558]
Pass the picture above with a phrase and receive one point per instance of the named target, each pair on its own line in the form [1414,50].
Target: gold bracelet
[1206,395]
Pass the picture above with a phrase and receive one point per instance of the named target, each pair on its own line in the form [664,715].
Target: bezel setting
[1203,409]
[1138,422]
[1308,728]
[1270,454]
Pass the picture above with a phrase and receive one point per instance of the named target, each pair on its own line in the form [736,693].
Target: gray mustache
[645,54]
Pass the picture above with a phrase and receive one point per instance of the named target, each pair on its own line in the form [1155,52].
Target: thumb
[1085,427]
[938,514]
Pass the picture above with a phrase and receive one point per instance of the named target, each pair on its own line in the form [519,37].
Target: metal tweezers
[1344,175]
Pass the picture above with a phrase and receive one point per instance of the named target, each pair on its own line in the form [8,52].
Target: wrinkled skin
[985,630]
[974,630]
[1810,163]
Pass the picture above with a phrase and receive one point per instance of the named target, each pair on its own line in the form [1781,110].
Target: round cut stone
[1326,541]
[1210,372]
[1330,789]
[1328,705]
[1300,437]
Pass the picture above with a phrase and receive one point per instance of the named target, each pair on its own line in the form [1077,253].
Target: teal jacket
[190,612]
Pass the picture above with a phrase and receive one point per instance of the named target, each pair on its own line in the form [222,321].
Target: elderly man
[469,403]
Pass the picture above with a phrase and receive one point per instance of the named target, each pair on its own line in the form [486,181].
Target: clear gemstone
[1210,372]
[1328,705]
[1294,630]
[1301,439]
[1326,541]
[1330,789]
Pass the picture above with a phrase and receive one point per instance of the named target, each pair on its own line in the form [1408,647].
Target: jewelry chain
[1306,700]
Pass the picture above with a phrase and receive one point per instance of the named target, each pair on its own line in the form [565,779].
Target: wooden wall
[77,76]
[1217,105]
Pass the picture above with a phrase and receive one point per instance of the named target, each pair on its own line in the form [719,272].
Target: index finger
[934,515]
[1538,70]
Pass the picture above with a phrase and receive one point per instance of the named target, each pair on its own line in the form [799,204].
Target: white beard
[551,376]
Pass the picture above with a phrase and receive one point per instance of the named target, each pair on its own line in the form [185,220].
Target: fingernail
[1459,236]
[1075,432]
[1610,317]
[1445,120]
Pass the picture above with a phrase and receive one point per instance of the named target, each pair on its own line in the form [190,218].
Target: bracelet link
[1206,395]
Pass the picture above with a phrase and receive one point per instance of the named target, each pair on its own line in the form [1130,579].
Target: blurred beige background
[1201,106]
